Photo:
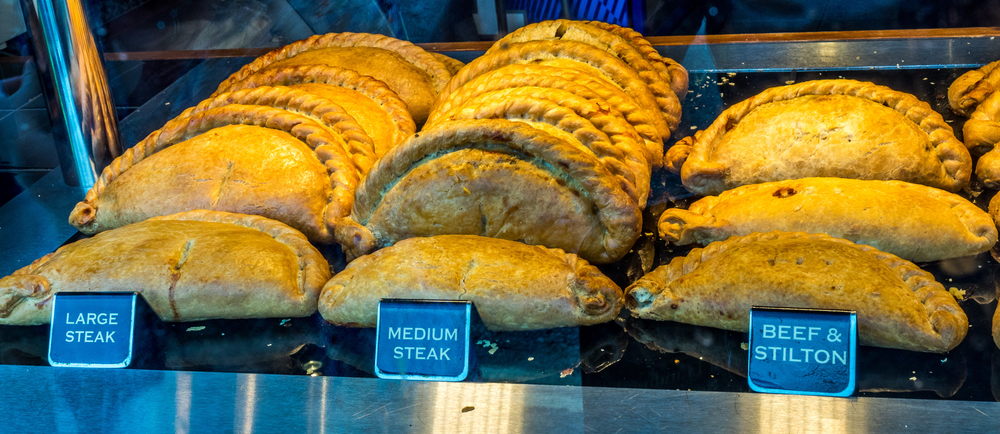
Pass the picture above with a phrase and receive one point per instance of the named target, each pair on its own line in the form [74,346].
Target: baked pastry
[610,42]
[982,132]
[323,110]
[246,159]
[513,285]
[414,74]
[826,128]
[373,105]
[898,304]
[189,266]
[584,58]
[678,74]
[494,178]
[914,222]
[591,89]
[453,65]
[996,327]
[971,88]
[591,126]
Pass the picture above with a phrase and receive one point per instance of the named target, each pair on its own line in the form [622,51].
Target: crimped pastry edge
[612,42]
[454,65]
[343,174]
[520,75]
[370,87]
[672,224]
[970,89]
[359,145]
[591,301]
[434,68]
[677,73]
[622,154]
[938,304]
[314,269]
[619,215]
[951,153]
[615,69]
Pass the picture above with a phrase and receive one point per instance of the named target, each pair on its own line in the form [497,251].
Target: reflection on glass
[246,403]
[812,415]
[182,403]
[485,407]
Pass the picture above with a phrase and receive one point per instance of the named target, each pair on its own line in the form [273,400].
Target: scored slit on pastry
[328,113]
[877,213]
[823,128]
[898,304]
[971,88]
[495,178]
[414,74]
[611,42]
[377,108]
[247,159]
[514,286]
[657,99]
[594,90]
[205,265]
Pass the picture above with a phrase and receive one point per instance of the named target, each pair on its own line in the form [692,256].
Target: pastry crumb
[913,378]
[731,74]
[959,294]
[531,359]
[745,346]
[196,329]
[789,81]
[566,373]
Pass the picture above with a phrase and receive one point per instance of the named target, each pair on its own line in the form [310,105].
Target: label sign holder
[423,339]
[803,351]
[83,327]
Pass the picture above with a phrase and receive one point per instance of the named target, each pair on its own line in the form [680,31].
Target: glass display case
[304,374]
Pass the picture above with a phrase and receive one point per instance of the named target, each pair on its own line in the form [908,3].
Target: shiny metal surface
[76,88]
[44,399]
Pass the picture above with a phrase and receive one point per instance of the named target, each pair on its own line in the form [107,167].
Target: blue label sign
[423,340]
[92,330]
[802,351]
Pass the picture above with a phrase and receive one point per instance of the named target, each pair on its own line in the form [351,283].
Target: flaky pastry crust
[367,87]
[453,65]
[982,132]
[204,265]
[971,88]
[359,145]
[535,76]
[912,221]
[88,217]
[933,156]
[577,55]
[898,304]
[513,285]
[617,144]
[493,178]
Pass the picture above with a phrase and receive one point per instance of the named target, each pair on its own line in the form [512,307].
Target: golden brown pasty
[982,132]
[328,113]
[189,266]
[247,159]
[513,285]
[454,65]
[373,105]
[914,222]
[825,128]
[593,127]
[678,74]
[494,178]
[582,57]
[971,88]
[414,74]
[898,304]
[612,42]
[600,92]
